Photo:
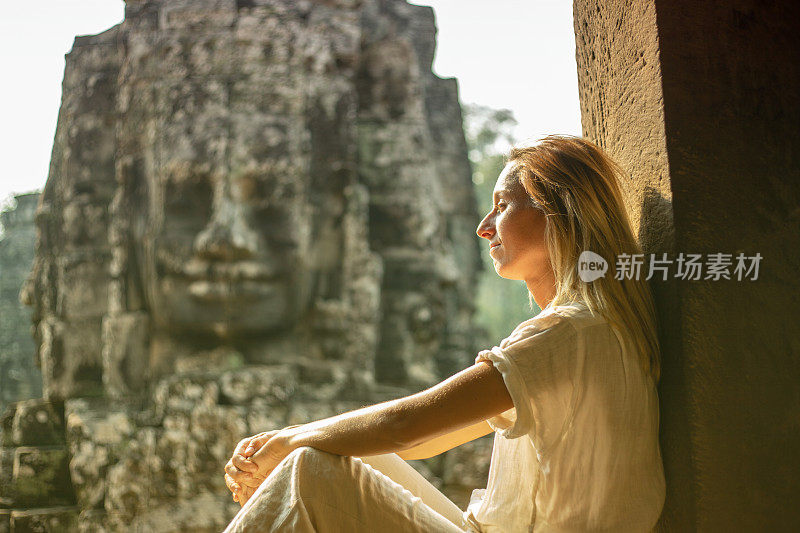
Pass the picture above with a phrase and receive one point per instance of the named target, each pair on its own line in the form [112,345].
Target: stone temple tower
[19,377]
[258,213]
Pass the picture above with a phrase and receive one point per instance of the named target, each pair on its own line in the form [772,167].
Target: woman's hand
[266,450]
[242,475]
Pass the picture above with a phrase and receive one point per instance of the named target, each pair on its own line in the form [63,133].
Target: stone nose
[227,237]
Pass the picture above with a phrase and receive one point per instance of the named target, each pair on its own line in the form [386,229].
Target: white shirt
[579,450]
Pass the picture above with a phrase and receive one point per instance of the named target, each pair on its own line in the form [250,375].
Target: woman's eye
[501,206]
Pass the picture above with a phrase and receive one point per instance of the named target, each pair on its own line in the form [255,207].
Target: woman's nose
[485,228]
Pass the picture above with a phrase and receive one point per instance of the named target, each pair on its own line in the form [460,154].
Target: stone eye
[190,197]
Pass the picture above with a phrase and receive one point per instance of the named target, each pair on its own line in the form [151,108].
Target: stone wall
[699,103]
[252,220]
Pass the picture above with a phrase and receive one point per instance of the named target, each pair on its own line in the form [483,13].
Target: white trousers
[316,491]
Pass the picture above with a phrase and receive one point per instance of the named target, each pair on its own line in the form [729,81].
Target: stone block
[38,423]
[143,477]
[183,393]
[6,477]
[203,513]
[273,384]
[5,521]
[83,292]
[71,358]
[214,433]
[100,420]
[40,476]
[262,416]
[92,521]
[6,423]
[96,434]
[49,519]
[207,15]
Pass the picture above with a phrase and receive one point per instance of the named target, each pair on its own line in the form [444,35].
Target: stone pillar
[699,103]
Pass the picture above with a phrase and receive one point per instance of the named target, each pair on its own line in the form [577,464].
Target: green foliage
[501,304]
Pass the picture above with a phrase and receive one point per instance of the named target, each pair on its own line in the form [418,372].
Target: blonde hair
[578,187]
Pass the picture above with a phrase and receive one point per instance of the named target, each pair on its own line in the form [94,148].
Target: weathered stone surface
[68,286]
[124,338]
[249,223]
[699,102]
[270,383]
[98,434]
[44,520]
[40,476]
[92,520]
[6,423]
[203,513]
[37,423]
[6,477]
[19,377]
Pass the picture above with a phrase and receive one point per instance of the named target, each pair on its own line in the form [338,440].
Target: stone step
[40,520]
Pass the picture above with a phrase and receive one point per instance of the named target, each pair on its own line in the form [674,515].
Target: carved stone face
[227,240]
[225,253]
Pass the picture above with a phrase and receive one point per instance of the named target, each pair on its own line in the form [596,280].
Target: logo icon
[591,266]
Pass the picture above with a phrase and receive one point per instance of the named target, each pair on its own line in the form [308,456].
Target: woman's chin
[502,271]
[505,272]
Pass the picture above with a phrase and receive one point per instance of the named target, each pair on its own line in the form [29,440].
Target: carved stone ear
[70,359]
[128,210]
[125,353]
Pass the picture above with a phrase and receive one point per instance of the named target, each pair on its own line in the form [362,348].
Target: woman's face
[515,231]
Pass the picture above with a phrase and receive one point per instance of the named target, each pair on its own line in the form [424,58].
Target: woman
[570,394]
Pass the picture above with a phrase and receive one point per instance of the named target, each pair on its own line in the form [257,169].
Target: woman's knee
[301,466]
[318,468]
[308,457]
[310,453]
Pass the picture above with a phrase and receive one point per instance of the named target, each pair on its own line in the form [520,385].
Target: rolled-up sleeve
[537,363]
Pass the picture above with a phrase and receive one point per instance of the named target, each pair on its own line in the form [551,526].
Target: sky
[511,54]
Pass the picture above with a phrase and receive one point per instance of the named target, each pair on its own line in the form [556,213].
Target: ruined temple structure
[19,377]
[258,213]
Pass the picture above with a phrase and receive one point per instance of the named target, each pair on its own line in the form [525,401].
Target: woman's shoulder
[555,321]
[588,323]
[573,315]
[564,317]
[578,314]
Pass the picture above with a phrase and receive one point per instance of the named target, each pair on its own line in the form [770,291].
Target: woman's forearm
[468,397]
[448,441]
[371,430]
